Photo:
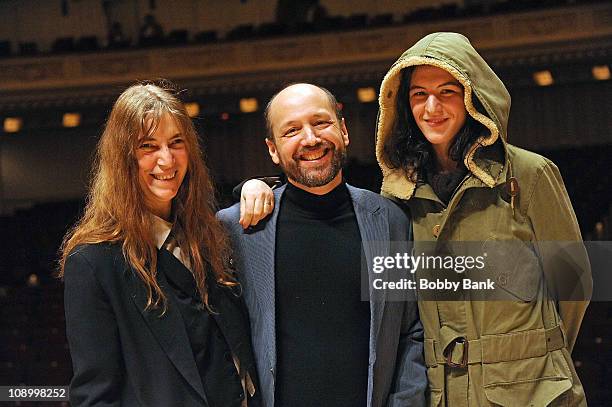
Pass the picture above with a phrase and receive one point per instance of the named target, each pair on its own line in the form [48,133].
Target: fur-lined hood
[453,53]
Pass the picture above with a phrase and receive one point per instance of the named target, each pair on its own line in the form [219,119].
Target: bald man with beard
[316,341]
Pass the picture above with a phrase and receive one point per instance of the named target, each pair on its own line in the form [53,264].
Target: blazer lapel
[169,329]
[374,229]
[261,249]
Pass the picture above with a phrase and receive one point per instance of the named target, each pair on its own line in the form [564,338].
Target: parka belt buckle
[449,352]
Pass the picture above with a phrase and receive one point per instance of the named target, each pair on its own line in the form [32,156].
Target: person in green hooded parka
[442,147]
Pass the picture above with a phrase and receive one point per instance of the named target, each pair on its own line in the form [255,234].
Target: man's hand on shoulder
[256,202]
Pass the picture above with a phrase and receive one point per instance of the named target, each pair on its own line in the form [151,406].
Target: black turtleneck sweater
[322,326]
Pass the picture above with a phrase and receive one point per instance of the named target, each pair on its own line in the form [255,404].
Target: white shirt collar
[161,230]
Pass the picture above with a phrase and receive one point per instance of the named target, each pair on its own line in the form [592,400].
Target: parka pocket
[536,381]
[514,266]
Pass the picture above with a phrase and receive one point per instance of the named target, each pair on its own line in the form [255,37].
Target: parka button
[436,230]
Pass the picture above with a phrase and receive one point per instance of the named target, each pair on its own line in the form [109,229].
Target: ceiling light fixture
[248,105]
[543,78]
[12,124]
[71,120]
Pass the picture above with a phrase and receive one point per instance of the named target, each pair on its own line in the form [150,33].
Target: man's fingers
[257,210]
[266,208]
[247,217]
[246,220]
[242,209]
[268,198]
[256,203]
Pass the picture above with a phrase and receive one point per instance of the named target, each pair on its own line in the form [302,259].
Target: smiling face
[162,164]
[436,101]
[309,142]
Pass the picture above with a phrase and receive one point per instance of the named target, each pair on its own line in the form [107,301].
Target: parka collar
[453,53]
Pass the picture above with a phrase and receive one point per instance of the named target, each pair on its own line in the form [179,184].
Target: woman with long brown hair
[153,315]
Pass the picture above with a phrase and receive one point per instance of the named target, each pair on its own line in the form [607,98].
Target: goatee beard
[316,177]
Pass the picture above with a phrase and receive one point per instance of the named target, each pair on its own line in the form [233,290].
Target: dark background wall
[44,168]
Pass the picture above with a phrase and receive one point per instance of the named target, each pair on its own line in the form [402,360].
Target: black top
[210,349]
[322,326]
[445,183]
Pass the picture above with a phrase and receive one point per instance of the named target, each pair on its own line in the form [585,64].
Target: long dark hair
[408,149]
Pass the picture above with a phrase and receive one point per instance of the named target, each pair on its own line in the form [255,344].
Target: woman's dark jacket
[124,355]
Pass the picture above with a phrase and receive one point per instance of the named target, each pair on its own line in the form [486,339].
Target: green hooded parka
[487,353]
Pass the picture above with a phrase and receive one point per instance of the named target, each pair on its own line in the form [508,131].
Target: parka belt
[495,348]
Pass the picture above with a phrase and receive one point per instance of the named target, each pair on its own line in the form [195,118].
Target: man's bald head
[302,88]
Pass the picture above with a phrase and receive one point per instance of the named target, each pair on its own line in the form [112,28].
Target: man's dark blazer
[396,375]
[123,355]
